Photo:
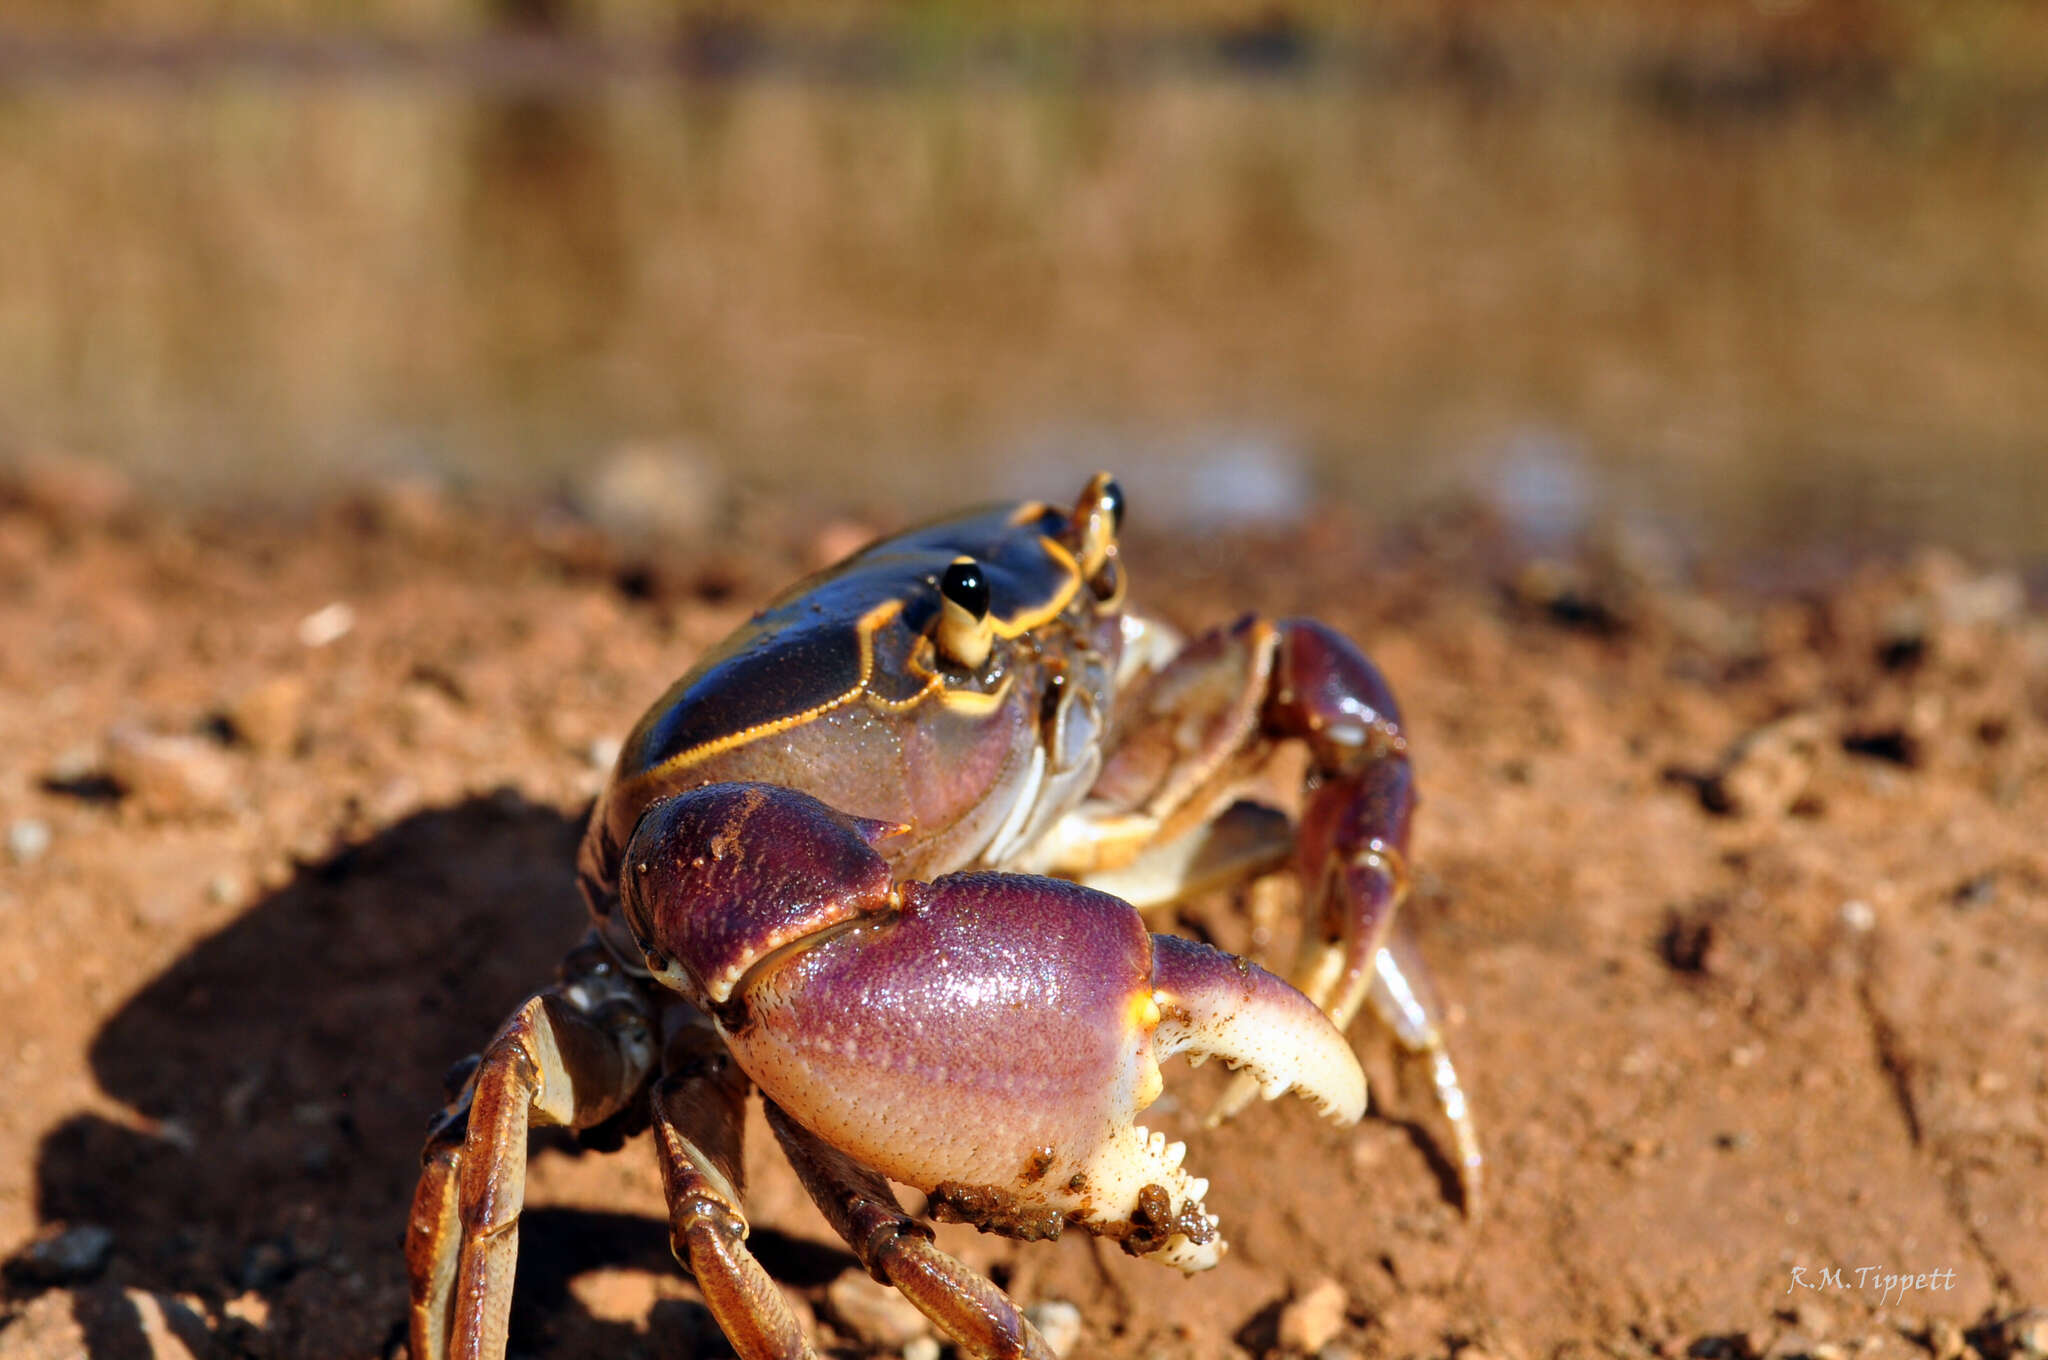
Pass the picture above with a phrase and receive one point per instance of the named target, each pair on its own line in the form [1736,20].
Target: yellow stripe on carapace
[1052,608]
[864,628]
[975,703]
[969,702]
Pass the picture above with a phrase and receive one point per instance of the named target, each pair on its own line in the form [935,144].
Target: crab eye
[1113,499]
[964,585]
[965,632]
[1096,519]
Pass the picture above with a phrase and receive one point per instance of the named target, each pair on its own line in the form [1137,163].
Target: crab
[884,855]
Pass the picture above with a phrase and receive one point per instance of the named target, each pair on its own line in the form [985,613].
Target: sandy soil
[1739,898]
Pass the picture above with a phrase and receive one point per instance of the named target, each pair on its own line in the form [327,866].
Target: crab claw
[987,1038]
[1217,1005]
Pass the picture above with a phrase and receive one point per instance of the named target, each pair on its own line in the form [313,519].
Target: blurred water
[1821,321]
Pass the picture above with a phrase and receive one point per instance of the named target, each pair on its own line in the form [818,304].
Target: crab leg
[573,1054]
[897,1250]
[699,1116]
[1405,1000]
[1351,852]
[1201,723]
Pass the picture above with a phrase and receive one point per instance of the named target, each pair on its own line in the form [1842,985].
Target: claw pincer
[989,1038]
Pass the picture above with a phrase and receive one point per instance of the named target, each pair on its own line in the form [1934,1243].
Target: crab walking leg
[1249,840]
[433,1237]
[1199,724]
[700,1106]
[1351,855]
[898,1250]
[1405,1001]
[573,1054]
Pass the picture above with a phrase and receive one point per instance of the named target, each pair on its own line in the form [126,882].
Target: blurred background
[1754,272]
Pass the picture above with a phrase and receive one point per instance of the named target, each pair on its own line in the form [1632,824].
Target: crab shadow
[281,1074]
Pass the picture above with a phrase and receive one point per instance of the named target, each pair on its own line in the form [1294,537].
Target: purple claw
[1217,1005]
[988,1038]
[716,879]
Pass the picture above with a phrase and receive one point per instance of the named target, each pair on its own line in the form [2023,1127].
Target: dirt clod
[1313,1318]
[170,777]
[27,839]
[270,716]
[1059,1322]
[874,1313]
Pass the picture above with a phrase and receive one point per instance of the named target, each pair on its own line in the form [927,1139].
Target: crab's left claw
[988,1038]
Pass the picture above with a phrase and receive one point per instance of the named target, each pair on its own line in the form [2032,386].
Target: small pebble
[874,1313]
[922,1348]
[170,776]
[74,764]
[603,753]
[328,624]
[270,716]
[1858,916]
[1313,1318]
[1770,770]
[1059,1322]
[1945,1340]
[1790,1345]
[27,839]
[1995,598]
[251,1308]
[70,1256]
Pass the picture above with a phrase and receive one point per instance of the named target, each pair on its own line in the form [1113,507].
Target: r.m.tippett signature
[1871,1277]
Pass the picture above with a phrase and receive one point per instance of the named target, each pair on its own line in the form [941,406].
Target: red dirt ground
[1738,896]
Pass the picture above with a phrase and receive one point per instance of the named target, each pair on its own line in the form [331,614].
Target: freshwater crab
[860,857]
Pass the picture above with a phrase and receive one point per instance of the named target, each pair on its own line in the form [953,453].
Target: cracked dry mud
[1741,899]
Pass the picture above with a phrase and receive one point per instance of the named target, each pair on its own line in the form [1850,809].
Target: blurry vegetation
[1891,39]
[1768,265]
